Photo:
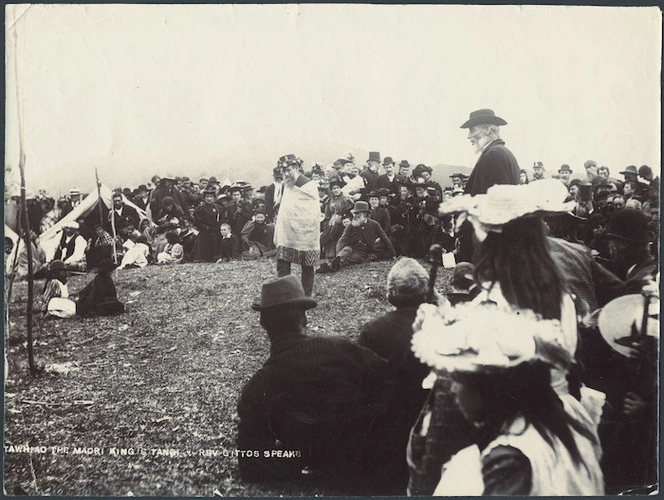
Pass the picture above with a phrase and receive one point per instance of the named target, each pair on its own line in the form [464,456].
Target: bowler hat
[538,164]
[284,292]
[483,117]
[388,160]
[374,156]
[213,180]
[630,170]
[565,168]
[360,206]
[404,163]
[645,171]
[142,187]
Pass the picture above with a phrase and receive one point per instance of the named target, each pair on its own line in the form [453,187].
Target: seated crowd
[177,220]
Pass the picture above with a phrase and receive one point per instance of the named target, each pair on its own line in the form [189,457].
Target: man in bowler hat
[313,403]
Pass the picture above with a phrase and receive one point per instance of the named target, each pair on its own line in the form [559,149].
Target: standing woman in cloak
[297,230]
[207,219]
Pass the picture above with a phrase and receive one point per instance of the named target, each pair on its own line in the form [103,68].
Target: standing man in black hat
[370,174]
[389,180]
[496,165]
[297,231]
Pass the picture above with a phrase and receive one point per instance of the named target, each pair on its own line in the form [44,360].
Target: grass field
[144,403]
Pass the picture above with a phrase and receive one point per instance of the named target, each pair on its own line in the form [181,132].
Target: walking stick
[435,259]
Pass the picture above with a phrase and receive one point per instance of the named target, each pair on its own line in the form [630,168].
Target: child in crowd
[173,252]
[229,246]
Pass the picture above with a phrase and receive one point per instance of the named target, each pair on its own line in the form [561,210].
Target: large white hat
[487,338]
[618,316]
[506,202]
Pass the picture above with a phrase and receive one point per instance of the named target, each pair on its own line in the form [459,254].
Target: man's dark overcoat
[496,165]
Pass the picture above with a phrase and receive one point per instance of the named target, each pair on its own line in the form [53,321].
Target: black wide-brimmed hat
[631,225]
[483,117]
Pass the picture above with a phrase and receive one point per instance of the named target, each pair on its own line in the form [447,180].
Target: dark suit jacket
[389,336]
[382,182]
[368,233]
[592,284]
[316,395]
[496,165]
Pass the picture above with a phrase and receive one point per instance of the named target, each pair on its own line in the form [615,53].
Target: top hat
[284,292]
[404,163]
[482,117]
[388,160]
[374,156]
[565,168]
[630,170]
[360,206]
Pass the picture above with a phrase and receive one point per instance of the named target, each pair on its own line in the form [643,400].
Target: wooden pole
[24,214]
[101,211]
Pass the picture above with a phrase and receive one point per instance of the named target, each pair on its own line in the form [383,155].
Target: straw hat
[487,339]
[617,317]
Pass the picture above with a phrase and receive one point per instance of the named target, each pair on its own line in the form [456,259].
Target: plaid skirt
[302,257]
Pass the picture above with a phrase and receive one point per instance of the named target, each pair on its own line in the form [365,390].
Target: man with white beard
[496,164]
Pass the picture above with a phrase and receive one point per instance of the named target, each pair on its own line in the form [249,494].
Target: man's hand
[633,405]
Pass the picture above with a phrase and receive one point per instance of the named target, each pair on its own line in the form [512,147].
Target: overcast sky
[223,90]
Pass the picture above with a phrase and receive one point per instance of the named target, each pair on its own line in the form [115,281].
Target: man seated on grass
[362,241]
[389,336]
[313,403]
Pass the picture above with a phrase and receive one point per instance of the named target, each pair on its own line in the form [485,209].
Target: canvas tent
[9,258]
[50,239]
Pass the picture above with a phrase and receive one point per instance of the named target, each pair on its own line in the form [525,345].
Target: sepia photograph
[299,250]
